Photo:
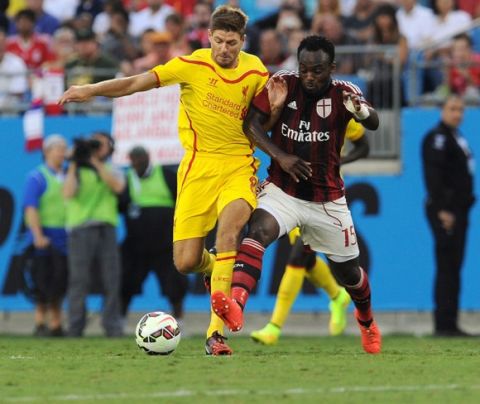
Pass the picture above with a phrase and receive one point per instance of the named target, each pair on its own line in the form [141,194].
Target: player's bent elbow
[372,122]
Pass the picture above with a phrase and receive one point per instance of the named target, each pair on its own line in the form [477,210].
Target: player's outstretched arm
[367,116]
[253,126]
[360,150]
[110,88]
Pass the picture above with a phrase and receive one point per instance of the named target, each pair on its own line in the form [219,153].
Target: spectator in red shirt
[200,22]
[175,25]
[464,76]
[31,47]
[13,76]
[470,6]
[183,7]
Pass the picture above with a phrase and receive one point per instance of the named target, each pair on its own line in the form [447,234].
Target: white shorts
[326,226]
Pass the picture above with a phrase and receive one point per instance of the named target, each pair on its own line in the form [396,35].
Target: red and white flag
[33,124]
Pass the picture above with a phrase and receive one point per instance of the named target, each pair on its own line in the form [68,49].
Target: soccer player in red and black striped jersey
[304,187]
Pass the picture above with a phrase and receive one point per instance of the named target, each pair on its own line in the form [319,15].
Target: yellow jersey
[213,100]
[354,130]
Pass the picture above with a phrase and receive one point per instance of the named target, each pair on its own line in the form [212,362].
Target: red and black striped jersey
[313,128]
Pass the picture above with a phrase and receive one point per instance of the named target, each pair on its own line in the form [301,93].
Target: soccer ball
[157,333]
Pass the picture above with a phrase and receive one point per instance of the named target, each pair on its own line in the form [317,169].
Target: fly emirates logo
[303,134]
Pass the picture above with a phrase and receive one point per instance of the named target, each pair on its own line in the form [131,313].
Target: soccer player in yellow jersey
[304,263]
[217,176]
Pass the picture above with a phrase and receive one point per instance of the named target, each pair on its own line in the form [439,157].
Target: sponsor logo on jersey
[304,134]
[324,107]
[292,105]
[212,82]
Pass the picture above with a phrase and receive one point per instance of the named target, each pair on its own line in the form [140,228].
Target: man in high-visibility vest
[149,203]
[44,210]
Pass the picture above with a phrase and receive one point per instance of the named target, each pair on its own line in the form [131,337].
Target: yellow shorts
[206,184]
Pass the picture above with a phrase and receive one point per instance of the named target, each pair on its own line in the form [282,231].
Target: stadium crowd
[88,41]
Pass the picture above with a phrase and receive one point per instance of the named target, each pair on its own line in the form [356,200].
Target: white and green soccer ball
[157,333]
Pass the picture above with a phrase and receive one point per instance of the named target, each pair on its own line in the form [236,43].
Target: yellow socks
[208,261]
[221,280]
[288,290]
[321,277]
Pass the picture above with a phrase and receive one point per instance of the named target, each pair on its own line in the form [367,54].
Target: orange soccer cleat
[216,346]
[371,337]
[228,310]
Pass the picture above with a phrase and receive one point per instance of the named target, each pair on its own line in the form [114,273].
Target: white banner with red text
[148,119]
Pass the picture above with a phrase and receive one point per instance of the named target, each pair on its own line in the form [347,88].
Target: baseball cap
[160,37]
[85,35]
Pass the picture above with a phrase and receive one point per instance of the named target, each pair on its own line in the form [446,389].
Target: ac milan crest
[324,107]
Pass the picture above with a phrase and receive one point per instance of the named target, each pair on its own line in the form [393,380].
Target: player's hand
[277,92]
[295,166]
[41,242]
[351,102]
[76,94]
[95,161]
[447,219]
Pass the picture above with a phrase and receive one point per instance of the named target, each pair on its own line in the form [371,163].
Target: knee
[346,273]
[186,264]
[228,239]
[260,233]
[302,258]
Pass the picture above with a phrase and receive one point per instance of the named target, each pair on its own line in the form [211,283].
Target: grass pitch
[306,370]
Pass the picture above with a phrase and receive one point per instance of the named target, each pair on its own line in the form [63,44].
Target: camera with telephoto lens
[83,149]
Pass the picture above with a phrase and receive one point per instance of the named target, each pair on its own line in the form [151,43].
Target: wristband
[363,114]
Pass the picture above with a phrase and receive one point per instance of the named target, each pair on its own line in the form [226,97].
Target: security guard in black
[448,174]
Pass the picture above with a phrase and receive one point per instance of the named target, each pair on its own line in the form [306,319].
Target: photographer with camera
[91,188]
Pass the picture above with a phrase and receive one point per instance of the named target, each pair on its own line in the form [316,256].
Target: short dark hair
[205,3]
[110,139]
[175,19]
[26,13]
[138,151]
[465,37]
[121,11]
[314,43]
[229,19]
[85,35]
[450,97]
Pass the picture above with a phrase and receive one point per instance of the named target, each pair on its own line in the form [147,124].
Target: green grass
[307,370]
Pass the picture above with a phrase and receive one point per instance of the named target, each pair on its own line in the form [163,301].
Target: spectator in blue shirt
[44,22]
